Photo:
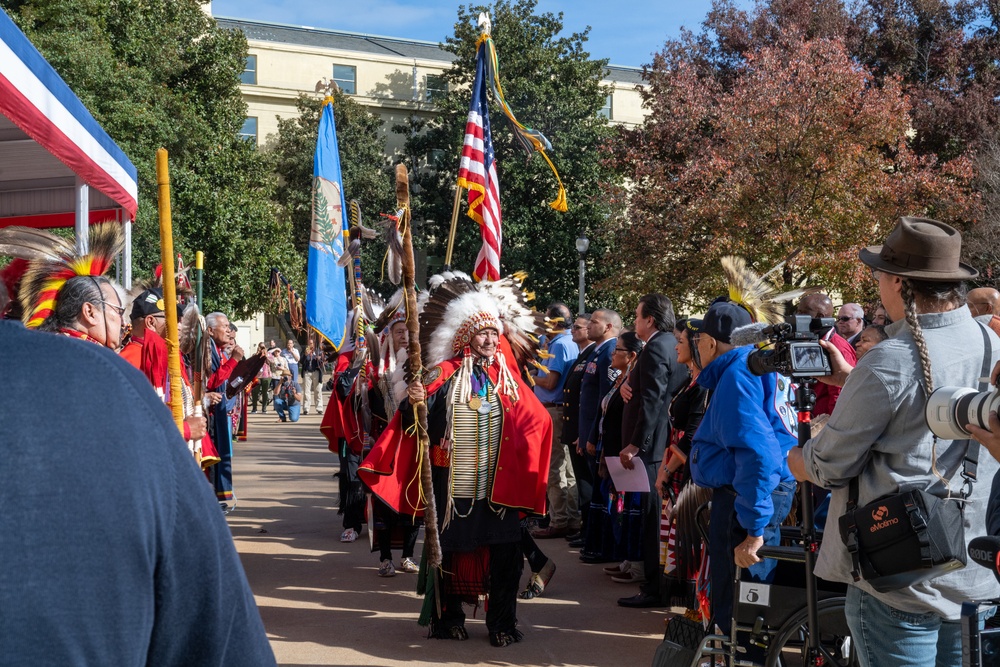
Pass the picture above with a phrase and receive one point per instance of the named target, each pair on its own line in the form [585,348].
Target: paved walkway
[322,603]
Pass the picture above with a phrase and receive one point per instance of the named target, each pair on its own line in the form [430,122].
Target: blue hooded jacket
[745,436]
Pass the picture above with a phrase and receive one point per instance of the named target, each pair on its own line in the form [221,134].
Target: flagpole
[454,226]
[199,276]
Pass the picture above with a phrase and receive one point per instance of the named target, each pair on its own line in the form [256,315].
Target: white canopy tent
[58,167]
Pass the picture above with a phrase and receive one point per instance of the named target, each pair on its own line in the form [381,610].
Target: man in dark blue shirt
[602,331]
[114,551]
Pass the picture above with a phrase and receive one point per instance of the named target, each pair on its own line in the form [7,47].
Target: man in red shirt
[820,305]
[147,351]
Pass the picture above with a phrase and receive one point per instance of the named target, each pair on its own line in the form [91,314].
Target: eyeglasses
[875,273]
[621,349]
[577,327]
[118,309]
[845,318]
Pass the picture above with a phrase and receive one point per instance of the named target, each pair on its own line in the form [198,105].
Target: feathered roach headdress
[52,260]
[756,293]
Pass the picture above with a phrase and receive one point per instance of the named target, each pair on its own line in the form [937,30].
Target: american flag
[477,173]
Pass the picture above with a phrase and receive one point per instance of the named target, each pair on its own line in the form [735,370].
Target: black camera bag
[905,538]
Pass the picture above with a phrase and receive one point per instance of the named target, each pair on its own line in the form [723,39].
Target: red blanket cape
[391,468]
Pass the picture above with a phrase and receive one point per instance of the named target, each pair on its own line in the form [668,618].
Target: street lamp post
[582,245]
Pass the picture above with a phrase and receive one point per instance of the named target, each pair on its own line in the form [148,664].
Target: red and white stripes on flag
[478,174]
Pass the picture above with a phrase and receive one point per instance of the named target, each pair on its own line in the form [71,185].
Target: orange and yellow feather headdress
[52,260]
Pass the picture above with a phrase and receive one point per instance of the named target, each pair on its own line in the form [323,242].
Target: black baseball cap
[149,302]
[724,317]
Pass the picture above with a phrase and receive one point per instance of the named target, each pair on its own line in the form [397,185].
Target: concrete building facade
[394,77]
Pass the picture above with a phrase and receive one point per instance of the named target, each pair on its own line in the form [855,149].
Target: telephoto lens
[950,409]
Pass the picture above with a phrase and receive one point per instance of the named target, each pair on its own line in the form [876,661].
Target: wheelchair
[774,617]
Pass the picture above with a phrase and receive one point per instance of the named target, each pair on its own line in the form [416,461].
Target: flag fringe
[531,140]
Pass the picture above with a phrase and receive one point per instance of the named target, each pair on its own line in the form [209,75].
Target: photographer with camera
[739,451]
[877,447]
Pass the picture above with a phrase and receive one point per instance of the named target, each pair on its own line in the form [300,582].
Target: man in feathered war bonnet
[489,449]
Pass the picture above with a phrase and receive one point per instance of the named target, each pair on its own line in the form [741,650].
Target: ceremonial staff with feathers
[431,537]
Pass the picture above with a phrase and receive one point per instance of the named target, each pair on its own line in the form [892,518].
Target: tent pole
[127,254]
[82,192]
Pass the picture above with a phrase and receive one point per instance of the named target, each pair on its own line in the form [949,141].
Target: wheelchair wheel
[788,648]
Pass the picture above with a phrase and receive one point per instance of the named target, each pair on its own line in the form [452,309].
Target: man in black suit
[646,426]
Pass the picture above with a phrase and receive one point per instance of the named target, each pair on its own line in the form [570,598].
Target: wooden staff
[169,286]
[431,537]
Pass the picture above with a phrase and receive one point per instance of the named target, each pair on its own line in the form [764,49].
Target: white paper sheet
[628,480]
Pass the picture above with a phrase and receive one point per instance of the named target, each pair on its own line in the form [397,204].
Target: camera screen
[989,642]
[808,358]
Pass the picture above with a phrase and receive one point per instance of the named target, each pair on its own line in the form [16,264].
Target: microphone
[752,334]
[985,551]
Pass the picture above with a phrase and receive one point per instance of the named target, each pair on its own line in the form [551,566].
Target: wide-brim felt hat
[920,248]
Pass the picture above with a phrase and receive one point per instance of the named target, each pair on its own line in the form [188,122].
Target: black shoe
[592,558]
[577,544]
[305,412]
[573,536]
[501,639]
[641,601]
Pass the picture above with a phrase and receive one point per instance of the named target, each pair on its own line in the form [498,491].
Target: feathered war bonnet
[52,261]
[456,309]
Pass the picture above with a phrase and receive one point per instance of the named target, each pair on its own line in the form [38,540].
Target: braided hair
[938,294]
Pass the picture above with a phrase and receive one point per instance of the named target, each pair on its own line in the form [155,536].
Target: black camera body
[796,351]
[980,648]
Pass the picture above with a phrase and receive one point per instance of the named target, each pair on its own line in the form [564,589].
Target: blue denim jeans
[726,534]
[884,636]
[287,412]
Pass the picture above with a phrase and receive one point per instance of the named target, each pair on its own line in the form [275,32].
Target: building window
[436,88]
[249,130]
[249,74]
[606,110]
[346,78]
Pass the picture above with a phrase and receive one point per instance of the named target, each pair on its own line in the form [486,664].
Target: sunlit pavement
[322,603]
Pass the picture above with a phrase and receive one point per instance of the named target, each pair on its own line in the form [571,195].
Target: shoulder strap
[971,462]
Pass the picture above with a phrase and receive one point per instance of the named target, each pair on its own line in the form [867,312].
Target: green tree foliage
[162,74]
[552,84]
[363,165]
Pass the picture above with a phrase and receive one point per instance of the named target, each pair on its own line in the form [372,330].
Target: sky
[627,33]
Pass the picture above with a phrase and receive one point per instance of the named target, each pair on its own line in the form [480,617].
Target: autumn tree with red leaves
[792,145]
